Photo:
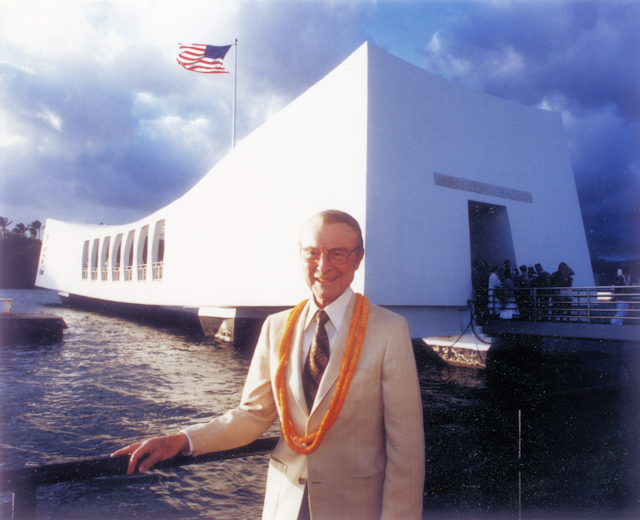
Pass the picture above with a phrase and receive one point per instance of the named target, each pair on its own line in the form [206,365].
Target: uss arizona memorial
[436,174]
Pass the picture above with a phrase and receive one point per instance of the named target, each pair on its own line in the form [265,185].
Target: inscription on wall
[480,187]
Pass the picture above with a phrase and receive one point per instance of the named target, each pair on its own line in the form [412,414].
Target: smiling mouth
[325,280]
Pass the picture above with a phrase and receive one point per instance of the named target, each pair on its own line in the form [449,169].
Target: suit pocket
[366,492]
[275,478]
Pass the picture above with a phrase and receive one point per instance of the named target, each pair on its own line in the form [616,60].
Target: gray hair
[334,216]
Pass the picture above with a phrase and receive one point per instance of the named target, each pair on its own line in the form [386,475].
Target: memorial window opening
[85,260]
[157,255]
[143,251]
[117,255]
[104,259]
[128,257]
[94,259]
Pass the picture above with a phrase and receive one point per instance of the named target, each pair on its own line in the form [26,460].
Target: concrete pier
[30,329]
[571,330]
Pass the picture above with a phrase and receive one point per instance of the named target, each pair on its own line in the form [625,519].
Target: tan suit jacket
[370,464]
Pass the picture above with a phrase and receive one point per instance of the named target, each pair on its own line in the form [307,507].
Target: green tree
[4,222]
[34,229]
[20,230]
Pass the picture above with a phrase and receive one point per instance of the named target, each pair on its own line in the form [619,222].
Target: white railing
[158,273]
[158,270]
[564,304]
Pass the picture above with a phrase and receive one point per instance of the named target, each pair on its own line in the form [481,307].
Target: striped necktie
[316,361]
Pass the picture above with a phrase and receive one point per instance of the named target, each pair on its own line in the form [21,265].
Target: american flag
[203,58]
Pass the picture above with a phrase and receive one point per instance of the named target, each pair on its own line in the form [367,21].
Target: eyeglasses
[335,256]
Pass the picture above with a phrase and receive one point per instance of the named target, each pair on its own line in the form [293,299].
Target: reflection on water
[109,383]
[113,381]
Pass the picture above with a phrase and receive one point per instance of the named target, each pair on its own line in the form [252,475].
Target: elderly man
[340,375]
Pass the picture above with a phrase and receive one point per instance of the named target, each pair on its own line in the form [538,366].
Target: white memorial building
[436,174]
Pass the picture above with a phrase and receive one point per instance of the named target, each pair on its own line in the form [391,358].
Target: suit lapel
[332,371]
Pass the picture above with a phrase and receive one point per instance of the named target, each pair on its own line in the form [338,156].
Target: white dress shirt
[336,311]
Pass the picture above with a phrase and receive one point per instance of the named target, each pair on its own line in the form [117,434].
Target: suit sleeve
[404,428]
[254,415]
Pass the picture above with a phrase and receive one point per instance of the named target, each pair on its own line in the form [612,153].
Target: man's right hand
[158,448]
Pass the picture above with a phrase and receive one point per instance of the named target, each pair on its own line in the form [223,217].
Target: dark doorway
[490,234]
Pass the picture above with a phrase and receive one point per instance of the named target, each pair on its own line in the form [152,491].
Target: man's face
[326,280]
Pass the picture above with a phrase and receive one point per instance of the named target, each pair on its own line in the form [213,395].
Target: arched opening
[117,256]
[94,259]
[158,250]
[85,260]
[128,257]
[104,258]
[143,250]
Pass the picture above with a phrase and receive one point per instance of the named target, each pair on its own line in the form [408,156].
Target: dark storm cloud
[286,47]
[607,178]
[126,130]
[99,123]
[581,59]
[298,46]
[92,143]
[587,51]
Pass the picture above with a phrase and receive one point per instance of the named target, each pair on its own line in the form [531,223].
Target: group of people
[508,293]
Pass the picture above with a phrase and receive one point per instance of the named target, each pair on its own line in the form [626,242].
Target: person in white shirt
[622,307]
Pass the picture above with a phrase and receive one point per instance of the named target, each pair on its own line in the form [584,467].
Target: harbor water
[568,414]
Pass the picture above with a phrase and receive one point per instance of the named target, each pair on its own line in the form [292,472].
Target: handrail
[563,304]
[23,482]
[158,268]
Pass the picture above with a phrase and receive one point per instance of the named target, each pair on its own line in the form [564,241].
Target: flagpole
[235,83]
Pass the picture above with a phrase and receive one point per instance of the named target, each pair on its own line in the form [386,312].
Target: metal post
[23,482]
[519,464]
[24,502]
[235,83]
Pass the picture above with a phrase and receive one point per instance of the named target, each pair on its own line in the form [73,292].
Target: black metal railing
[597,305]
[24,482]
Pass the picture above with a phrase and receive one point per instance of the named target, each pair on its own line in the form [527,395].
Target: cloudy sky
[98,123]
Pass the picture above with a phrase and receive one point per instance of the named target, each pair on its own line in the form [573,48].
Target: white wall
[232,239]
[418,232]
[366,139]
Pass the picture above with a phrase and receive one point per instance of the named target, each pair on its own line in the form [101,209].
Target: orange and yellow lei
[305,445]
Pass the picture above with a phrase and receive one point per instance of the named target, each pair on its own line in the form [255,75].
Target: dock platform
[31,329]
[603,332]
